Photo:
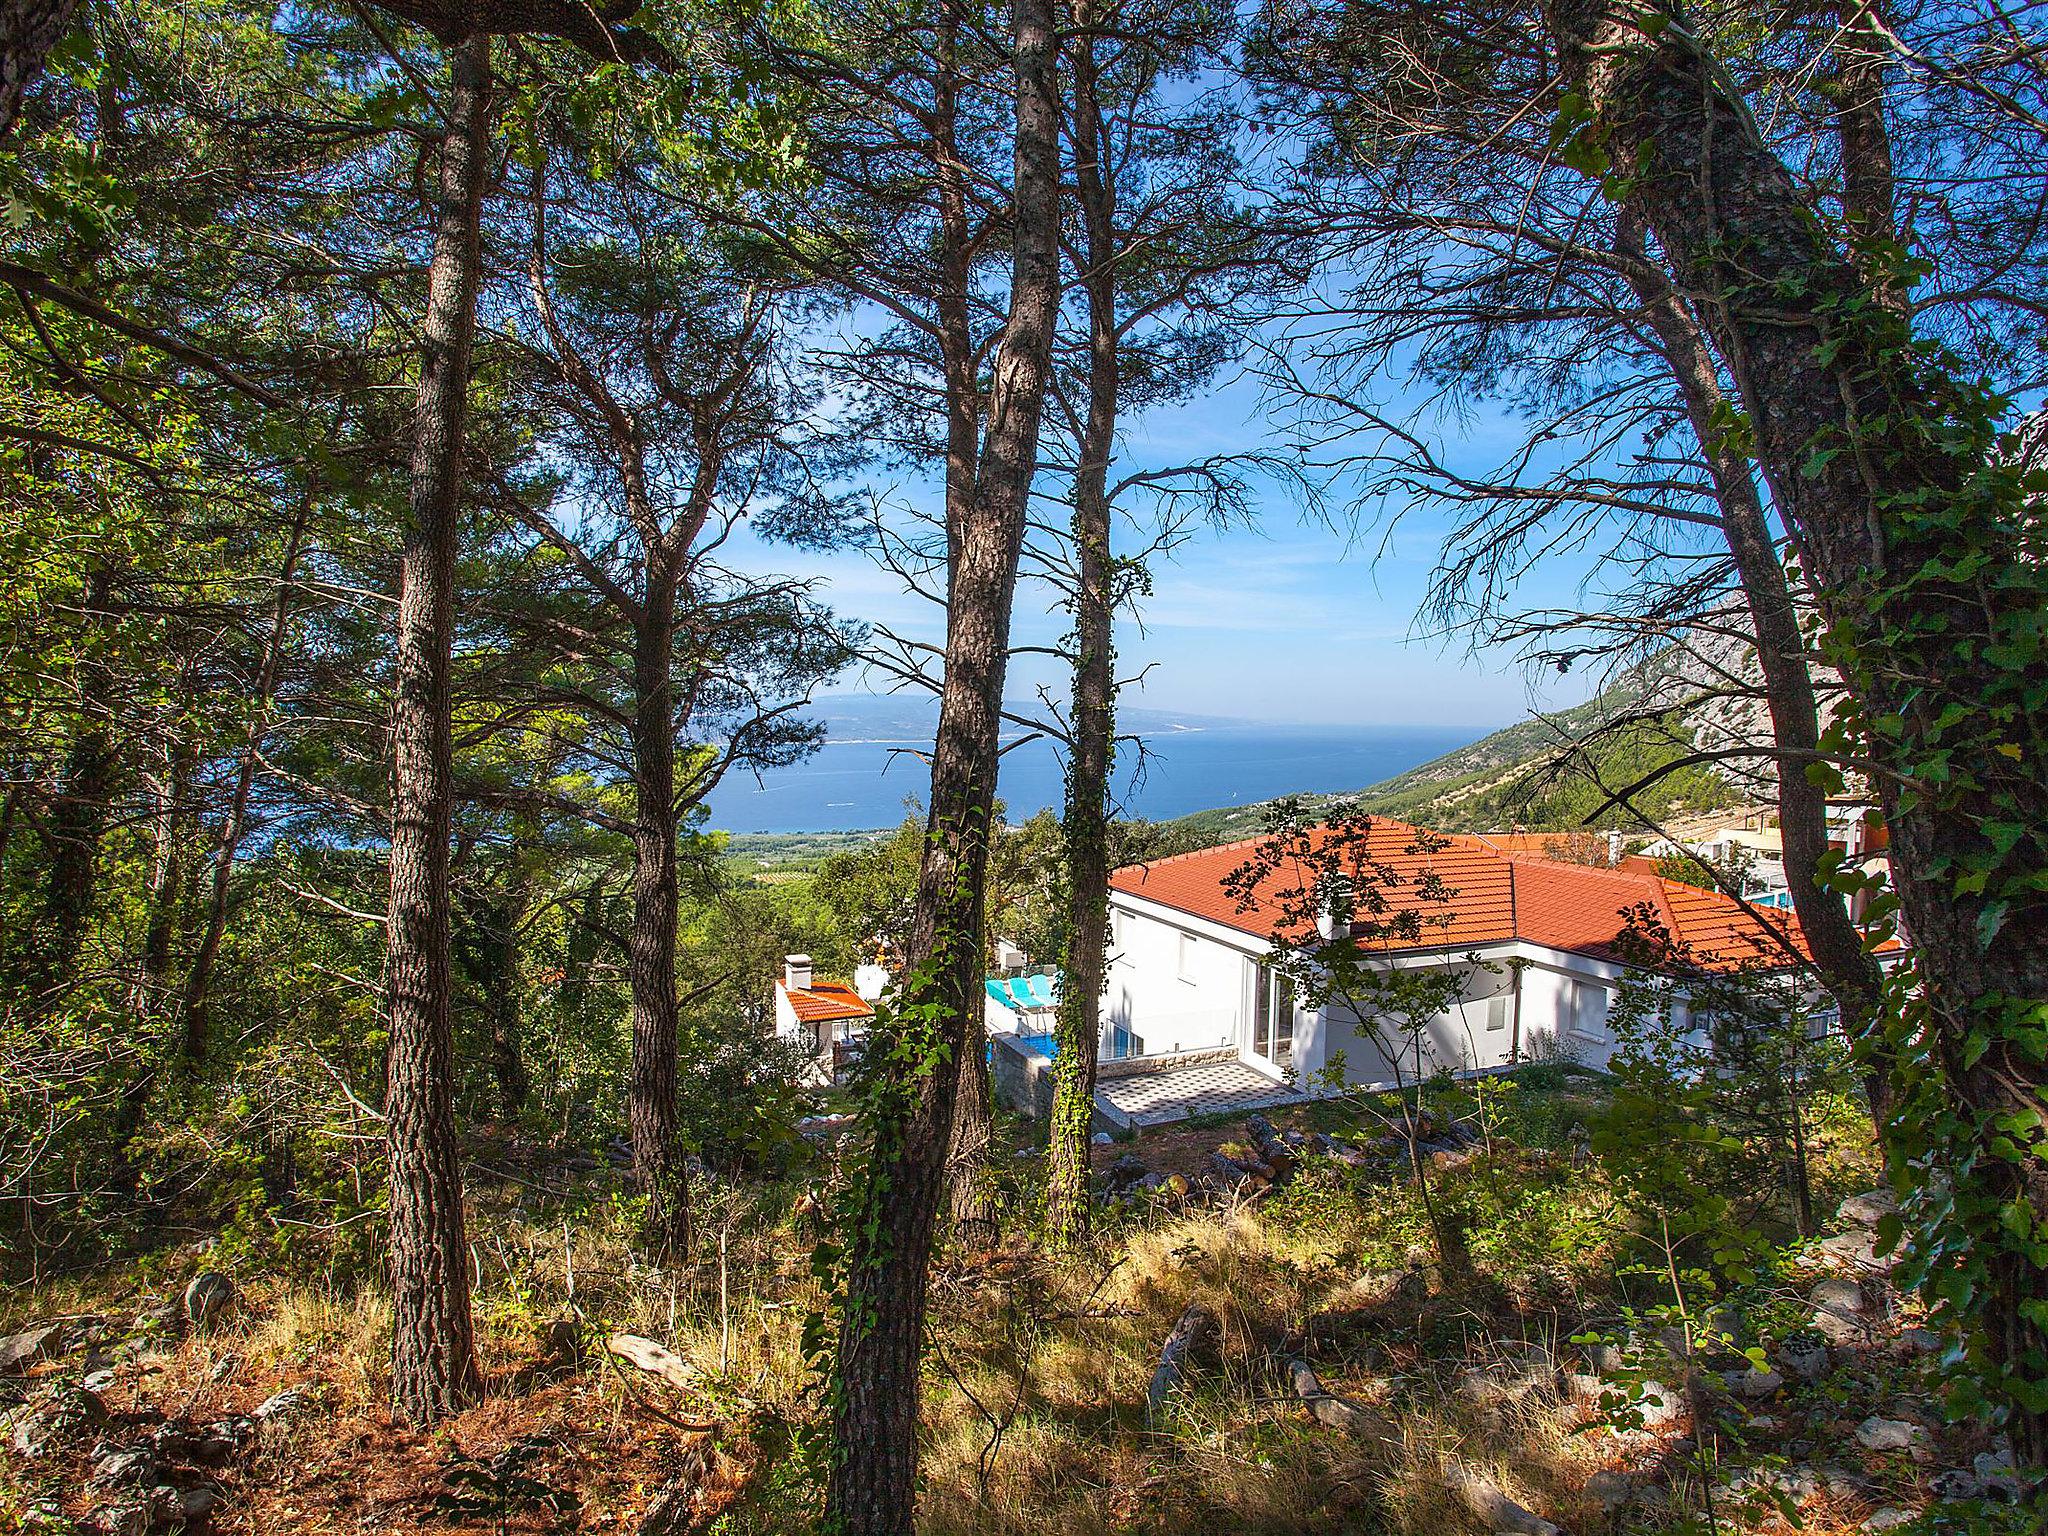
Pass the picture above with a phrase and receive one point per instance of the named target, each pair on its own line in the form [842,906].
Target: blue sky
[1286,621]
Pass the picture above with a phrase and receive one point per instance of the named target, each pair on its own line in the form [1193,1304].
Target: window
[1497,1011]
[1588,1010]
[1187,958]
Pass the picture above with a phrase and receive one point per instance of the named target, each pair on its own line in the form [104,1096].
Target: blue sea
[853,785]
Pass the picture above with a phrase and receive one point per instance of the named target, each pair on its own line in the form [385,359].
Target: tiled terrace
[1199,1088]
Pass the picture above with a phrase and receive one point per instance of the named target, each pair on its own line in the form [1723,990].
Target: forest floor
[1449,1391]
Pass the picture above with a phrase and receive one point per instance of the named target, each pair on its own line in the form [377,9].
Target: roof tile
[1494,897]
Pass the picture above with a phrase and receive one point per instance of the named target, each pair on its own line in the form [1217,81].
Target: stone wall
[1023,1078]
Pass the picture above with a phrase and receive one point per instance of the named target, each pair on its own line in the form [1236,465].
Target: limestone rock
[1889,1518]
[1868,1209]
[291,1403]
[116,1465]
[58,1417]
[208,1296]
[1856,1249]
[1841,1311]
[31,1346]
[1661,1405]
[1604,1358]
[196,1504]
[1493,1508]
[1956,1483]
[98,1381]
[1753,1385]
[1803,1358]
[1614,1490]
[1882,1434]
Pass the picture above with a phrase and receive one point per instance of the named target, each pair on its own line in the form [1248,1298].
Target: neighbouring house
[1540,943]
[1855,830]
[825,1018]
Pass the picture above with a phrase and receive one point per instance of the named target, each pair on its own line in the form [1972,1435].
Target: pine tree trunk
[873,1480]
[1869,185]
[651,942]
[167,876]
[199,979]
[1920,606]
[1846,969]
[972,1202]
[433,1359]
[1093,714]
[29,29]
[73,828]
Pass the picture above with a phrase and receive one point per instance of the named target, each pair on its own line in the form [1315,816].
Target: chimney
[796,972]
[1614,849]
[1333,922]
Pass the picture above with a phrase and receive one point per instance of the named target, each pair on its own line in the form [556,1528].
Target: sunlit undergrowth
[1038,1365]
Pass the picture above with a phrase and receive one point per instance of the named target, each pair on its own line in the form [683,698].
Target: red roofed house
[822,1016]
[1187,975]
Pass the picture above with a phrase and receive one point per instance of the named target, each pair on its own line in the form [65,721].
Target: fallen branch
[1324,1406]
[1195,1325]
[1502,1515]
[656,1360]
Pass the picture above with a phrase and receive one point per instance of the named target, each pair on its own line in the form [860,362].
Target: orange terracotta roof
[1494,897]
[1525,845]
[825,1000]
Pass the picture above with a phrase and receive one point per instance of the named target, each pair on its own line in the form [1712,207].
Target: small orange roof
[825,1000]
[1494,897]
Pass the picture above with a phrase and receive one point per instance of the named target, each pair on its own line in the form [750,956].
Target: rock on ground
[1882,1434]
[207,1297]
[1868,1209]
[19,1351]
[1803,1358]
[54,1419]
[286,1405]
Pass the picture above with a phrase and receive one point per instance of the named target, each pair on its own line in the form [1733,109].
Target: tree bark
[434,1370]
[972,1199]
[1868,181]
[1846,969]
[29,29]
[73,828]
[199,978]
[1093,713]
[167,875]
[488,945]
[651,941]
[1877,460]
[873,1480]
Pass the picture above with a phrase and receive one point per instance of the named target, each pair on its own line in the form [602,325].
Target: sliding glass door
[1272,1017]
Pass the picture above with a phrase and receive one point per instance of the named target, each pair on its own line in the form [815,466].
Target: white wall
[1196,995]
[1176,982]
[1471,1035]
[787,1025]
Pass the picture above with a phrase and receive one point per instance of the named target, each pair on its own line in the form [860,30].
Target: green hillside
[1529,775]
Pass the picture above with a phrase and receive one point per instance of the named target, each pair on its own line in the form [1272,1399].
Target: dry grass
[1037,1375]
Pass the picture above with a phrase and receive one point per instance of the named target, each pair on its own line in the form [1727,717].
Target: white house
[1535,940]
[823,1017]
